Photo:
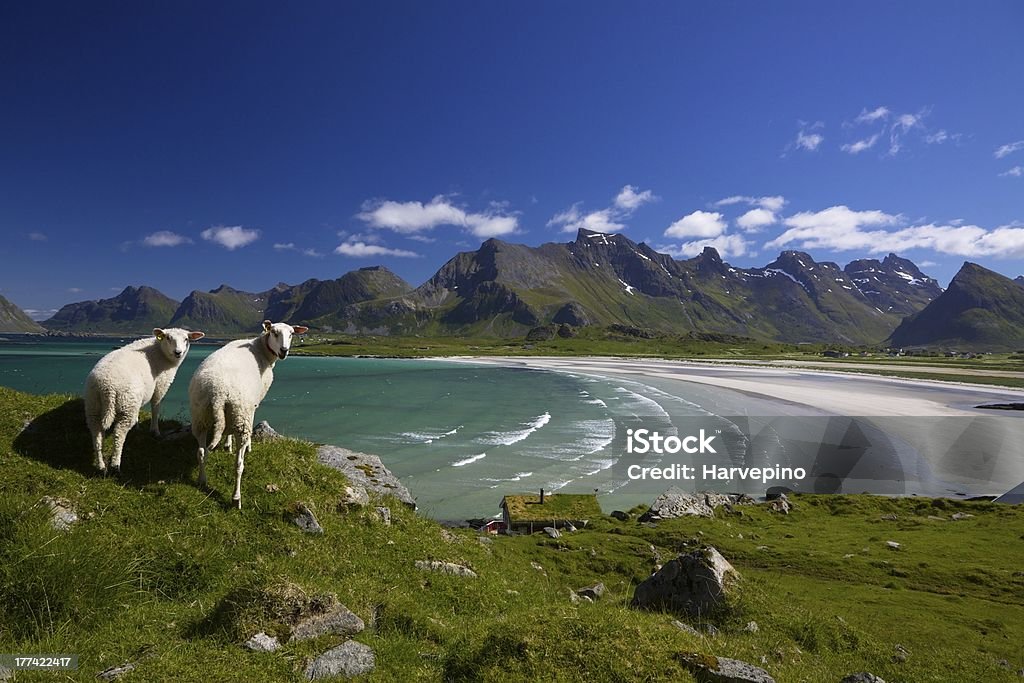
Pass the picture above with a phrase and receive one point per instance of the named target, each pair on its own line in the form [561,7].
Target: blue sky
[187,144]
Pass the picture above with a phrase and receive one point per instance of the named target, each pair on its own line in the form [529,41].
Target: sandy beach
[832,392]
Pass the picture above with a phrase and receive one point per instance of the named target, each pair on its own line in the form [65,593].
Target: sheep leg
[201,457]
[229,443]
[122,425]
[239,468]
[154,421]
[97,449]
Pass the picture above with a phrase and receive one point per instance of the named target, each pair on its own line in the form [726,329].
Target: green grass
[162,573]
[563,506]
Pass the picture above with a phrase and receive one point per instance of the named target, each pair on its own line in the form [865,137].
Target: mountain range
[505,289]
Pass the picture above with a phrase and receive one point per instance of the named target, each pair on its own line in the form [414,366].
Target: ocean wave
[597,402]
[600,466]
[428,436]
[649,403]
[470,459]
[515,436]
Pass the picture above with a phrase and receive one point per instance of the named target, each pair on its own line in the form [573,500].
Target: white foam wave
[470,459]
[650,404]
[515,436]
[597,402]
[429,436]
[600,466]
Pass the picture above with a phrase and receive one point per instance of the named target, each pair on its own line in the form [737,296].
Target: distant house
[532,512]
[494,526]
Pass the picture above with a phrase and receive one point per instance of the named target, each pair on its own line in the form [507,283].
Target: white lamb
[125,379]
[228,387]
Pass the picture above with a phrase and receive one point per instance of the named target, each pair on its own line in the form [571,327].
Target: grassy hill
[13,319]
[160,573]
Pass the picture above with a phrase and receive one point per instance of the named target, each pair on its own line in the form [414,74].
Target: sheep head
[174,342]
[278,337]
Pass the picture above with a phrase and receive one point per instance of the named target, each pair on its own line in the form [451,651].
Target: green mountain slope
[981,310]
[136,310]
[13,319]
[221,311]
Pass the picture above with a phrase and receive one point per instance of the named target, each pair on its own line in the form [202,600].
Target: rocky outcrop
[264,432]
[862,677]
[678,503]
[304,518]
[348,659]
[261,642]
[339,620]
[367,471]
[710,669]
[698,582]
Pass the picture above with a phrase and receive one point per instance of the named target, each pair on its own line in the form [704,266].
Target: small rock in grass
[273,488]
[62,515]
[348,659]
[620,515]
[261,642]
[445,568]
[893,545]
[751,627]
[353,496]
[115,672]
[306,520]
[338,621]
[593,592]
[862,677]
[264,432]
[383,515]
[710,669]
[685,628]
[552,532]
[957,516]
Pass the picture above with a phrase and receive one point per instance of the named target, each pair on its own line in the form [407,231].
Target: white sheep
[125,379]
[228,387]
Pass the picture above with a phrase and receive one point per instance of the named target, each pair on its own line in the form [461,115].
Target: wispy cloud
[861,145]
[37,237]
[902,125]
[364,250]
[290,246]
[1007,149]
[38,314]
[772,203]
[231,237]
[414,217]
[698,224]
[165,238]
[625,203]
[75,290]
[808,138]
[839,228]
[1016,172]
[942,136]
[876,114]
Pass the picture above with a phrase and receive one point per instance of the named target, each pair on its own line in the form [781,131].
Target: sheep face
[278,337]
[175,342]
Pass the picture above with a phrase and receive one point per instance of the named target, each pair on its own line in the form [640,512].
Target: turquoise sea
[462,435]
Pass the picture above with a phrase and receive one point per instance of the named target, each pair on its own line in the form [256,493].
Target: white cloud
[903,124]
[698,224]
[941,136]
[1016,171]
[414,217]
[362,250]
[866,116]
[290,246]
[840,228]
[726,245]
[423,238]
[625,203]
[1007,149]
[38,314]
[772,203]
[165,238]
[756,219]
[75,290]
[37,237]
[231,238]
[630,200]
[861,145]
[807,139]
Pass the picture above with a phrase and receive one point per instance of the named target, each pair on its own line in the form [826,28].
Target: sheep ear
[158,333]
[266,325]
[300,329]
[195,336]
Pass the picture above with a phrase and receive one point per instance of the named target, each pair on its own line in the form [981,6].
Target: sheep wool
[127,378]
[228,387]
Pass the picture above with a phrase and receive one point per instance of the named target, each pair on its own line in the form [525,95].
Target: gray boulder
[709,669]
[261,642]
[620,515]
[678,503]
[62,515]
[264,432]
[353,496]
[348,659]
[338,621]
[780,504]
[383,515]
[306,520]
[862,677]
[593,592]
[366,471]
[552,532]
[695,583]
[445,568]
[685,628]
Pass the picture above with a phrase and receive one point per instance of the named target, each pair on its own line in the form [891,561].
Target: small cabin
[532,512]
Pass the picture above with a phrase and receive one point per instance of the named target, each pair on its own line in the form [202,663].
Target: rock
[711,629]
[572,314]
[383,515]
[5,673]
[695,583]
[678,503]
[485,540]
[366,471]
[348,659]
[539,568]
[273,488]
[901,654]
[957,516]
[264,432]
[685,628]
[62,515]
[620,515]
[338,621]
[445,568]
[115,672]
[709,669]
[780,504]
[570,528]
[862,677]
[893,545]
[552,532]
[593,592]
[306,520]
[261,642]
[774,492]
[567,331]
[891,517]
[751,627]
[353,496]
[449,537]
[575,597]
[541,333]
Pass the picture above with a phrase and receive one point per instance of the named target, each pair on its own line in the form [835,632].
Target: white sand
[834,392]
